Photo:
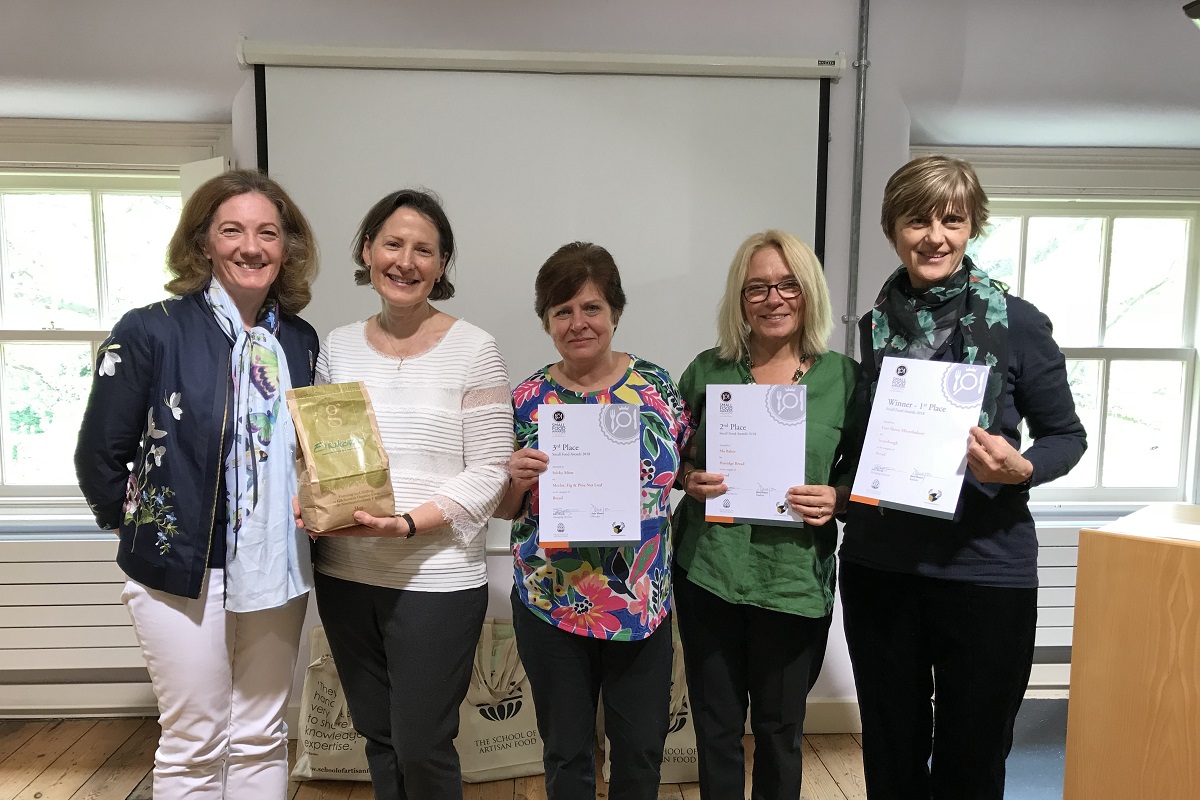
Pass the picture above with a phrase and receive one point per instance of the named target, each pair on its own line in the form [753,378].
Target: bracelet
[412,526]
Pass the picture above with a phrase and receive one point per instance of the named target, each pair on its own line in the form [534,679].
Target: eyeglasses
[788,290]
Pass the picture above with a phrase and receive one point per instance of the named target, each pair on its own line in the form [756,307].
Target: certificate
[590,494]
[915,454]
[754,436]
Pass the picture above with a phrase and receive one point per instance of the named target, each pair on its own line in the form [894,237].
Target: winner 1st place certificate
[590,494]
[754,436]
[914,457]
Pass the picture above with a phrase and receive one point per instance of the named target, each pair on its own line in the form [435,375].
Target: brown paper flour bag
[340,460]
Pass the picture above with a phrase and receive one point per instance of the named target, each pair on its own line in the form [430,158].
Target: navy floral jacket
[151,448]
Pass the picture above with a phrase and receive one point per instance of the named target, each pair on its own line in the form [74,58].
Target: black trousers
[404,659]
[941,668]
[741,656]
[566,673]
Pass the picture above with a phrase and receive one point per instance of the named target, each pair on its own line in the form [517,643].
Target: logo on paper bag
[619,422]
[963,384]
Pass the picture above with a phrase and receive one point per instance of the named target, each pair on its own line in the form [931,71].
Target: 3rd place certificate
[590,494]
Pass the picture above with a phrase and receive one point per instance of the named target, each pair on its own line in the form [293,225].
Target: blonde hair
[185,254]
[733,331]
[933,184]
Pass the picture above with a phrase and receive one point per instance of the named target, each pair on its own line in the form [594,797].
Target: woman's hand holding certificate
[993,460]
[916,449]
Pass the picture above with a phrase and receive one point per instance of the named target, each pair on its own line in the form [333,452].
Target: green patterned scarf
[969,309]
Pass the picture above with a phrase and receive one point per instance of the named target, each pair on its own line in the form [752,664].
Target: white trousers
[222,681]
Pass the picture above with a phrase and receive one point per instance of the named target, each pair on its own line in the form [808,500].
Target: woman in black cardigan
[187,451]
[942,604]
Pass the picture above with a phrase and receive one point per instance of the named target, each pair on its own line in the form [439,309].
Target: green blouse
[778,568]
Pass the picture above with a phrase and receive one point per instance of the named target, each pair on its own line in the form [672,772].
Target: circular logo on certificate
[726,397]
[558,416]
[787,404]
[963,384]
[619,422]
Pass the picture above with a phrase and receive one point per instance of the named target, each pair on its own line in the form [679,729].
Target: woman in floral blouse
[189,393]
[592,618]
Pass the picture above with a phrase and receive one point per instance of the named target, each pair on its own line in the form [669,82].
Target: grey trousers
[404,659]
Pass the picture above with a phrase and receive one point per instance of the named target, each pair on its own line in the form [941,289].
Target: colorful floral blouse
[619,593]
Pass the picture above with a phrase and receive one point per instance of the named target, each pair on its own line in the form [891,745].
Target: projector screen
[669,173]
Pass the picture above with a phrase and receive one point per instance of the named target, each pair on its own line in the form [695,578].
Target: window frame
[1053,180]
[66,155]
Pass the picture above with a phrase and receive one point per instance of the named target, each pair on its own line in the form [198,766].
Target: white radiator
[66,643]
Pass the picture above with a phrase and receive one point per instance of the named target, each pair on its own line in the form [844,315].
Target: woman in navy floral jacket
[187,450]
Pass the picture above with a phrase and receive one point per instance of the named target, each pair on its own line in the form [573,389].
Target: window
[76,252]
[1117,279]
[86,210]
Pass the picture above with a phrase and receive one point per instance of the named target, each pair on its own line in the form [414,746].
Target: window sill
[51,529]
[1068,513]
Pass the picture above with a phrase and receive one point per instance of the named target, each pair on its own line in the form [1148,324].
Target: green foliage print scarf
[968,310]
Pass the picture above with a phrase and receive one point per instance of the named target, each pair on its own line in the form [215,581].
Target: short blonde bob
[933,185]
[192,270]
[733,331]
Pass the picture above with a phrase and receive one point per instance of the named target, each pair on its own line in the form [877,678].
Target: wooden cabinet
[1133,724]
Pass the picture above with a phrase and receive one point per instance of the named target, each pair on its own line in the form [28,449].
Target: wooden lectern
[1133,721]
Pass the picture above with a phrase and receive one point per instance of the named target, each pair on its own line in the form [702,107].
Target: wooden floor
[110,759]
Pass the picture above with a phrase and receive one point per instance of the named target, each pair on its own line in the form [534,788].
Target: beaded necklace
[796,376]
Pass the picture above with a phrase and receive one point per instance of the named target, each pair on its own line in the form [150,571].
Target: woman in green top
[755,601]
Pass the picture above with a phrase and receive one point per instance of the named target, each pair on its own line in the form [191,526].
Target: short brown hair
[185,253]
[568,269]
[933,184]
[427,205]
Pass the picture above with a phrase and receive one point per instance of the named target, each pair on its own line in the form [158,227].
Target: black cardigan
[173,357]
[991,541]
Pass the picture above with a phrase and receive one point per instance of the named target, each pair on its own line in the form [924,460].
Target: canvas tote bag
[497,731]
[329,747]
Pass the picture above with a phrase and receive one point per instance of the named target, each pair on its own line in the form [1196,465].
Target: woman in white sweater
[403,598]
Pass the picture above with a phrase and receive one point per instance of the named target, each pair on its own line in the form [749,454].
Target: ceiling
[1011,72]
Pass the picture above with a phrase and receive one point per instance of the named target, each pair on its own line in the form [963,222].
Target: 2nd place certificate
[755,438]
[914,457]
[590,494]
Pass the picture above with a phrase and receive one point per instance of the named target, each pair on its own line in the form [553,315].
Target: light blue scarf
[267,557]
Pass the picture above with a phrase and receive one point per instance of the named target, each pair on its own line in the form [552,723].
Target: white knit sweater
[445,417]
